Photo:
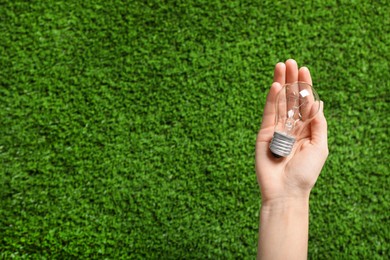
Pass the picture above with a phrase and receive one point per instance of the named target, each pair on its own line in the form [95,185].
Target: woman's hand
[294,176]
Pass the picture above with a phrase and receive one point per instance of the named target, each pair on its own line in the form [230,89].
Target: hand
[292,177]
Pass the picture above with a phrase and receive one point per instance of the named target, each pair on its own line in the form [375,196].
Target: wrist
[286,204]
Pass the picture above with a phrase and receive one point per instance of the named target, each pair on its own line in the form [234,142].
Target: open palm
[295,175]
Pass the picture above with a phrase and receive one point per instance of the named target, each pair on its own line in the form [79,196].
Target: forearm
[284,227]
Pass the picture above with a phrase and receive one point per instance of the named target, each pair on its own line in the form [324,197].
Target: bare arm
[284,230]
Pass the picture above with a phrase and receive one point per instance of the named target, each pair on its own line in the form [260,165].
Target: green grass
[128,128]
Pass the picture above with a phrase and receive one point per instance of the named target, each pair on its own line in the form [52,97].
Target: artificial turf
[128,127]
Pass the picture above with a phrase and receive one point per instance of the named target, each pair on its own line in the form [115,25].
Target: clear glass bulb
[296,105]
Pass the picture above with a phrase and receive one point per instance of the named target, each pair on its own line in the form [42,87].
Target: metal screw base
[281,145]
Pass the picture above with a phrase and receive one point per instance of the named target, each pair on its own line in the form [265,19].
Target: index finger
[270,109]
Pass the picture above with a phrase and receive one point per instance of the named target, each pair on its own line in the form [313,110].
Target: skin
[286,183]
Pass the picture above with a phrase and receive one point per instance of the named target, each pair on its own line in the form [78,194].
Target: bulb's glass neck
[290,120]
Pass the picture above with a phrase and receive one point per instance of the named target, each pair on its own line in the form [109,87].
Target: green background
[128,128]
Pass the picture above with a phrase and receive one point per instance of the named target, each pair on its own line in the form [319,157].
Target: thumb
[319,129]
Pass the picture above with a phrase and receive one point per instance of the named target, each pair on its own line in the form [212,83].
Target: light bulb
[296,105]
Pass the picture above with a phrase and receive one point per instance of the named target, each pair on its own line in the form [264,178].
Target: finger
[304,75]
[291,77]
[281,105]
[280,73]
[270,109]
[270,106]
[292,99]
[307,105]
[319,129]
[291,71]
[306,102]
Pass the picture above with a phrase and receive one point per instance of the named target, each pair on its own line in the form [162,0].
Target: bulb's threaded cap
[281,144]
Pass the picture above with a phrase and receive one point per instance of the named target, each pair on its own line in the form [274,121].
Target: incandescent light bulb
[296,105]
